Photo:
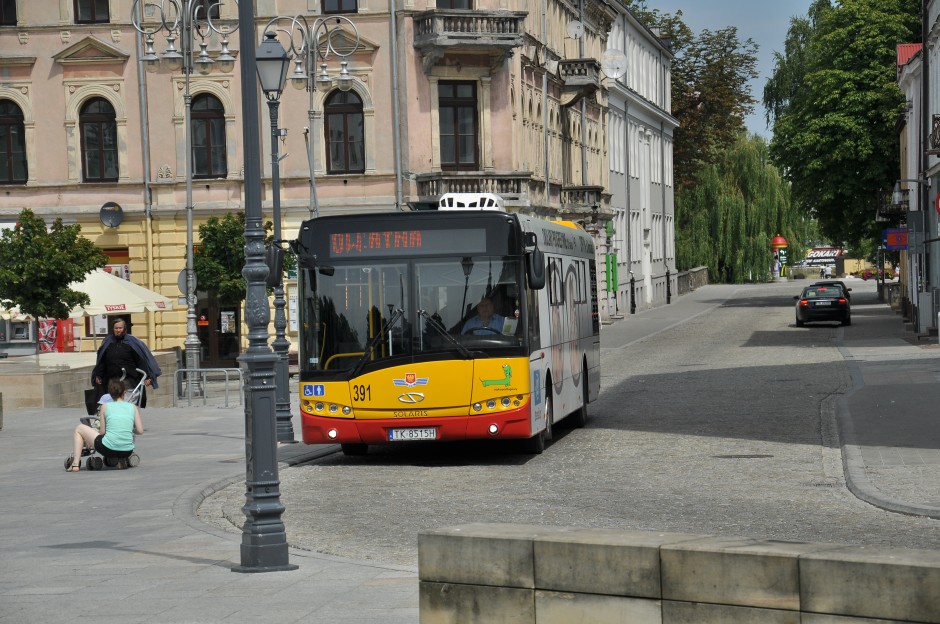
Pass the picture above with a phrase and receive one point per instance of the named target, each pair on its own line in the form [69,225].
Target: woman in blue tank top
[118,422]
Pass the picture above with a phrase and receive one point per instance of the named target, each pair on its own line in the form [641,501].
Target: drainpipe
[924,161]
[662,187]
[548,195]
[145,163]
[584,167]
[395,111]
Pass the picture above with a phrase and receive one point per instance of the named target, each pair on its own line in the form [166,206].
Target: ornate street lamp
[312,47]
[264,538]
[184,20]
[273,63]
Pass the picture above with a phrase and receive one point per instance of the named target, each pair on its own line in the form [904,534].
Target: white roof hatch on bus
[470,201]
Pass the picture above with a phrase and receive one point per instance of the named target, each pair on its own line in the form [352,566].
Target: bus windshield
[427,308]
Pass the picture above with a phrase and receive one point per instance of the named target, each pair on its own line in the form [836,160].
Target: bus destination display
[407,243]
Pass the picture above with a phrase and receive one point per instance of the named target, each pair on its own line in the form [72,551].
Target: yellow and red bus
[392,346]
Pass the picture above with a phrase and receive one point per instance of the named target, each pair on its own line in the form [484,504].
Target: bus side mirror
[274,258]
[535,268]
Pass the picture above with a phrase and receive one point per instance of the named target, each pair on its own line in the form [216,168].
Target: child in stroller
[111,431]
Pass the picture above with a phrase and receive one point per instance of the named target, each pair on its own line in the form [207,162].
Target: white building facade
[922,263]
[641,182]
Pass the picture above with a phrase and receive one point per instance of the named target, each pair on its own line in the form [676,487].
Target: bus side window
[532,301]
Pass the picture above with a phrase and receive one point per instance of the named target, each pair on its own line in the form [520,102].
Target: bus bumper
[502,425]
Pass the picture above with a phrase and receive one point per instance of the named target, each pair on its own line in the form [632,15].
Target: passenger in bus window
[485,322]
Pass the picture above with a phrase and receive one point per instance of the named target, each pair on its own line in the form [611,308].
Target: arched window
[99,141]
[12,144]
[345,138]
[208,126]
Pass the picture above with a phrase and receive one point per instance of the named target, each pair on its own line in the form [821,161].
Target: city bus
[391,346]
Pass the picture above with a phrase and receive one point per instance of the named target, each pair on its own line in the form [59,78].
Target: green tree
[220,257]
[834,104]
[727,218]
[37,265]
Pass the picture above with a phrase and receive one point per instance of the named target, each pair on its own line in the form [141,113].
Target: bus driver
[485,322]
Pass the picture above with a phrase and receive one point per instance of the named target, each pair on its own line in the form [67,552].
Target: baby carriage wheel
[68,462]
[94,463]
[133,461]
[111,462]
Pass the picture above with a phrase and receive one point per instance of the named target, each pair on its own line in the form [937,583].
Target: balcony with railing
[580,78]
[579,202]
[893,206]
[511,186]
[442,31]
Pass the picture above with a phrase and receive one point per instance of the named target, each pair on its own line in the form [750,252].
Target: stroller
[94,461]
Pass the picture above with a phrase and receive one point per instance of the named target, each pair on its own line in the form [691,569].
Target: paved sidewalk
[889,422]
[127,546]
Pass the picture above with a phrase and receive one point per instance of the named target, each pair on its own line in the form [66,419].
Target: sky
[764,22]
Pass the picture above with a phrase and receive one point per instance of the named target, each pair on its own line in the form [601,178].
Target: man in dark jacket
[120,355]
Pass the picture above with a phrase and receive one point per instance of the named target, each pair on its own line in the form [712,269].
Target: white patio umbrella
[14,314]
[113,295]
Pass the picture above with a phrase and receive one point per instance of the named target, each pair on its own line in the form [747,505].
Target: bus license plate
[421,433]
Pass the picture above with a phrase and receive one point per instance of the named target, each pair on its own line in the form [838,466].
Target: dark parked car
[845,288]
[823,302]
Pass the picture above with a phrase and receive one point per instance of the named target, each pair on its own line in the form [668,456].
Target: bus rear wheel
[354,450]
[580,416]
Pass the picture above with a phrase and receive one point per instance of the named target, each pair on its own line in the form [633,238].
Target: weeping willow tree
[728,216]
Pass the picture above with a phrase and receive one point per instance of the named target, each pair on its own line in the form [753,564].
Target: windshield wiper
[379,335]
[464,351]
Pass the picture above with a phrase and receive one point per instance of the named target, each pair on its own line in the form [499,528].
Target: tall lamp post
[310,45]
[184,20]
[264,538]
[273,63]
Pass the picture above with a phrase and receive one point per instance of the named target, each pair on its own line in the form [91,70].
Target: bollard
[632,294]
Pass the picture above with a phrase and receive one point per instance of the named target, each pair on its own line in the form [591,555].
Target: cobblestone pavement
[717,416]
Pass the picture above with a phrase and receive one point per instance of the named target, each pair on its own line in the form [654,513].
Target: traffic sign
[181,282]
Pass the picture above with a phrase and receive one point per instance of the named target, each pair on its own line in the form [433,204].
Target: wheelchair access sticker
[315,390]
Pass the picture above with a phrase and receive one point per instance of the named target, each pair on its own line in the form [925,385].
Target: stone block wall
[522,574]
[64,387]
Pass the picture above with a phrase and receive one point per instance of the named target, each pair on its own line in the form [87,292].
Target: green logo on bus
[507,370]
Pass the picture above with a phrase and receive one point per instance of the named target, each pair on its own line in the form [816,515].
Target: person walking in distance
[119,356]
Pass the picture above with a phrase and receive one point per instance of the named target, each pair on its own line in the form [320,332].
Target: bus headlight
[319,407]
[505,401]
[491,404]
[477,407]
[333,408]
[347,410]
[494,429]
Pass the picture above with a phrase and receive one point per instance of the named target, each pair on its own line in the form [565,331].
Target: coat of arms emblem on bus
[507,372]
[411,380]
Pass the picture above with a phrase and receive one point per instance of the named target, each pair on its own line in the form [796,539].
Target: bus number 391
[362,392]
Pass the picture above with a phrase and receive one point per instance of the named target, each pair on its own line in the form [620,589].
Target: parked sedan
[823,302]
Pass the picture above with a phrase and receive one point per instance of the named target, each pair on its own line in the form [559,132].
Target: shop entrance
[219,328]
